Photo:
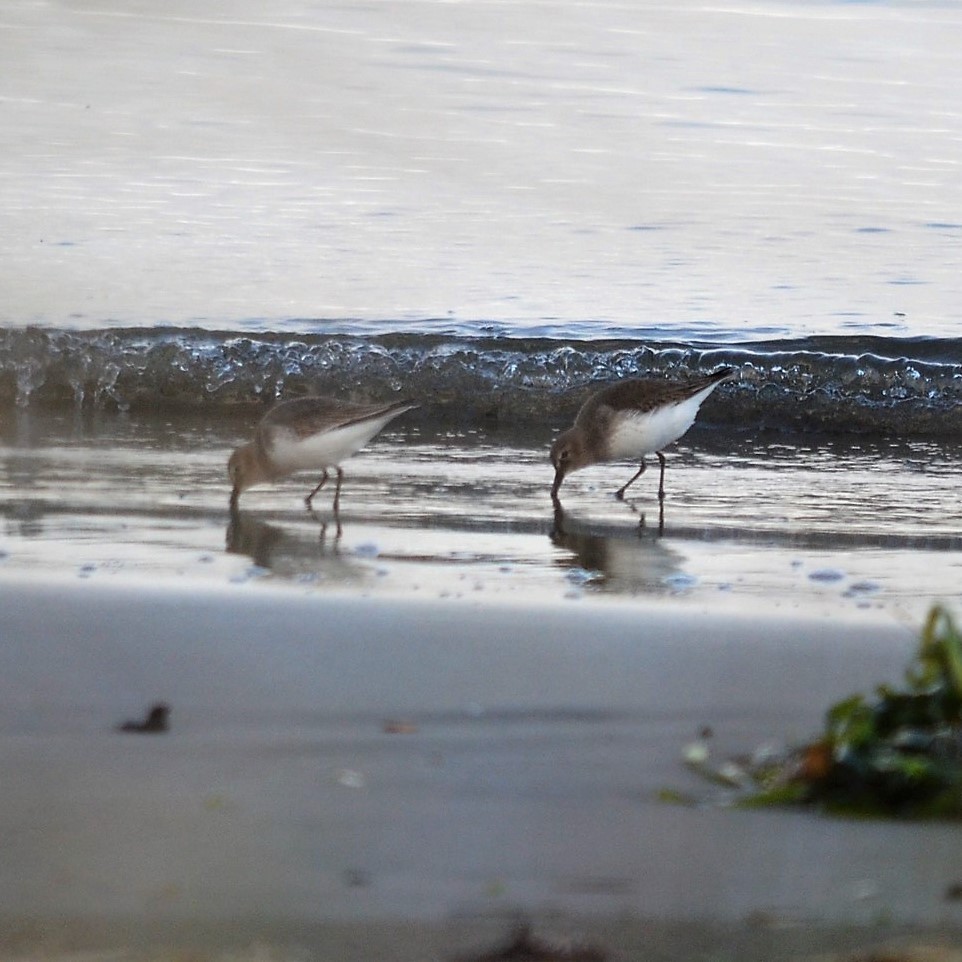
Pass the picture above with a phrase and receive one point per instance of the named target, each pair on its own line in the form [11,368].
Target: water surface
[431,511]
[770,168]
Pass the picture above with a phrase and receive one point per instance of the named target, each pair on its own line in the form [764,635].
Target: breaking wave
[909,386]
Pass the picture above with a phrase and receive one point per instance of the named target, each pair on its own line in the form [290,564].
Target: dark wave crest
[908,386]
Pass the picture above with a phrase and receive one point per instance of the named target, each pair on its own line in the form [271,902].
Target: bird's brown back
[645,394]
[306,416]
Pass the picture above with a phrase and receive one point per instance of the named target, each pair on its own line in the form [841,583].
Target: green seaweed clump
[898,753]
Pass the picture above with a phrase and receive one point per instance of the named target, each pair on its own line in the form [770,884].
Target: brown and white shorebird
[307,434]
[629,420]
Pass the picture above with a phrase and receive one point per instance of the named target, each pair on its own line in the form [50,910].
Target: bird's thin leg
[337,494]
[320,484]
[620,493]
[661,480]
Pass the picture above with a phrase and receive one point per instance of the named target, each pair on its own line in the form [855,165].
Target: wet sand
[461,712]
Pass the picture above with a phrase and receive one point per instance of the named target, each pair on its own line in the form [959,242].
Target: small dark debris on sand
[155,722]
[524,946]
[398,726]
[953,892]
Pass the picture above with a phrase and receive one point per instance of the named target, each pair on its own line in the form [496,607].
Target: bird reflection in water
[255,539]
[277,549]
[559,517]
[626,558]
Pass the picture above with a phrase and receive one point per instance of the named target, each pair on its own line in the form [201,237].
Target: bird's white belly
[320,451]
[635,435]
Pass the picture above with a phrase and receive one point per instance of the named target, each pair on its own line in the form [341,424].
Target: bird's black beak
[559,476]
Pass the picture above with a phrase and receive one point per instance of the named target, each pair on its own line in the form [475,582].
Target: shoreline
[748,523]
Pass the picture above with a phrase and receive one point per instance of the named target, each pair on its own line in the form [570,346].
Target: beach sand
[458,715]
[342,775]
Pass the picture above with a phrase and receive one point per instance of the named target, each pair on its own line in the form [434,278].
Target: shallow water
[431,512]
